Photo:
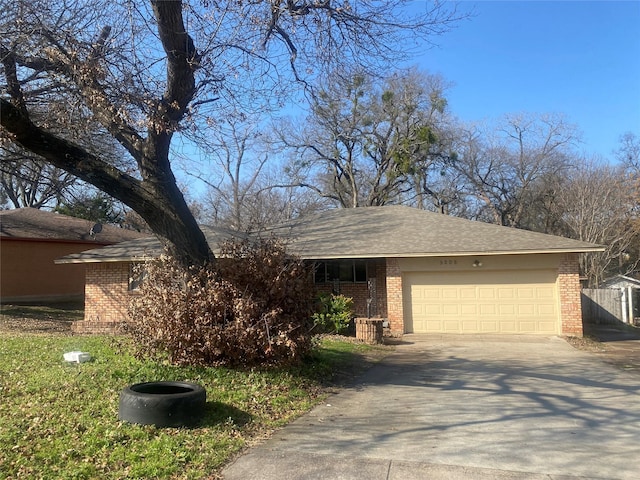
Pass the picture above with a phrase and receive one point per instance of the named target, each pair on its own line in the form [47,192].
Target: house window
[349,271]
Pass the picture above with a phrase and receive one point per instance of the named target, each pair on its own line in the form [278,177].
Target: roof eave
[66,260]
[455,254]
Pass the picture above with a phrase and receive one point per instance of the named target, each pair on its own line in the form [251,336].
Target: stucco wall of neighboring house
[30,274]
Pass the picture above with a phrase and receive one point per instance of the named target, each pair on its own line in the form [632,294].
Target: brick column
[106,298]
[395,313]
[569,289]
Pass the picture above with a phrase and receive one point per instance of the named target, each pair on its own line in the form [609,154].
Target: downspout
[624,302]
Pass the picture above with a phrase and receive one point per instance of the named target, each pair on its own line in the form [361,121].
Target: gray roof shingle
[375,232]
[400,231]
[31,223]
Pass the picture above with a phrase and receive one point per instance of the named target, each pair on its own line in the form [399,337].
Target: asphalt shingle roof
[375,232]
[399,231]
[31,223]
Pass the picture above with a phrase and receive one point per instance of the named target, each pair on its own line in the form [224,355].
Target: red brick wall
[569,290]
[360,291]
[395,312]
[106,298]
[107,295]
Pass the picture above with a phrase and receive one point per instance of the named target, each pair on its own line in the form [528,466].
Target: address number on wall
[448,262]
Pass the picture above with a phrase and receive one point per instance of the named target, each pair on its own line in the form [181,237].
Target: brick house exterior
[499,264]
[107,295]
[106,298]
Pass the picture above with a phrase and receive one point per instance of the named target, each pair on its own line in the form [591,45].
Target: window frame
[343,271]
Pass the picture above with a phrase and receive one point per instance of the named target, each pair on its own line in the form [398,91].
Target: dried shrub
[252,307]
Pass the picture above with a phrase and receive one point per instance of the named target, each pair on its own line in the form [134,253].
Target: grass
[66,311]
[59,420]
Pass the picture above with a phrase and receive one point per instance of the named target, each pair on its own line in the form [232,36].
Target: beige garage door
[481,302]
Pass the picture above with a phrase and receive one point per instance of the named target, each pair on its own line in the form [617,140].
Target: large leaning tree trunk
[155,194]
[156,197]
[131,72]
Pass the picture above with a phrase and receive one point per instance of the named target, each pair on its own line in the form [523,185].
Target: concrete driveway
[504,407]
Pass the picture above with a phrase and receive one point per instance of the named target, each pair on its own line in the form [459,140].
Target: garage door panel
[451,326]
[430,293]
[431,309]
[544,309]
[506,293]
[484,293]
[506,309]
[450,293]
[482,302]
[469,310]
[547,326]
[526,309]
[545,292]
[490,326]
[451,310]
[487,309]
[467,293]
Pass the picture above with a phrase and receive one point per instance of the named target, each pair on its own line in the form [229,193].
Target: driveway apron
[517,407]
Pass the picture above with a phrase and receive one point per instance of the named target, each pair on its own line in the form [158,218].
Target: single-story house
[422,271]
[31,240]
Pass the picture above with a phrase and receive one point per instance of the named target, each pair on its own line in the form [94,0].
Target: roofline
[459,254]
[98,243]
[361,256]
[63,260]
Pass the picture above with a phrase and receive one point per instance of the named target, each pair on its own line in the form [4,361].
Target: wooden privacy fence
[601,305]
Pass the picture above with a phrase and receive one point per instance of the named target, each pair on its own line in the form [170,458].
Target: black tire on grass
[163,404]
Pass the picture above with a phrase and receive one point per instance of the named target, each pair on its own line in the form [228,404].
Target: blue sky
[578,58]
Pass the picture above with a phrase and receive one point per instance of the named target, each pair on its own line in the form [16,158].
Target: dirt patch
[40,319]
[621,351]
[585,343]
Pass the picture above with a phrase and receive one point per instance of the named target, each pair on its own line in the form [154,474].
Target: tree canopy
[144,72]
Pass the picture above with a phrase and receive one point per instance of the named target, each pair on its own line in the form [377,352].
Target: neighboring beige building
[30,241]
[424,272]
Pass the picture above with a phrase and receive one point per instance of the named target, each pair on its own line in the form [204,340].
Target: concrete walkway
[462,407]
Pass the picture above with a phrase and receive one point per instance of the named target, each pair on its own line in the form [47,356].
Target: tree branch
[69,156]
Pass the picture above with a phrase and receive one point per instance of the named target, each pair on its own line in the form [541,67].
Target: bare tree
[597,206]
[245,190]
[629,153]
[236,156]
[147,72]
[27,181]
[502,172]
[369,143]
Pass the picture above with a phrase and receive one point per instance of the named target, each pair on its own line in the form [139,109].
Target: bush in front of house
[251,307]
[334,314]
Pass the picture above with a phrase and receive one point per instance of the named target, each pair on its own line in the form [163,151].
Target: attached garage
[472,302]
[482,295]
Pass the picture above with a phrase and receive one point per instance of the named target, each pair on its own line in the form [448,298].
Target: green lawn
[59,420]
